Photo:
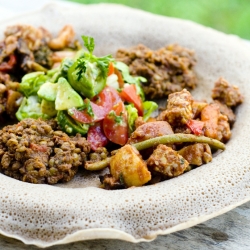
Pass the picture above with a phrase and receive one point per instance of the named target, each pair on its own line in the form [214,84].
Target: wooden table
[228,231]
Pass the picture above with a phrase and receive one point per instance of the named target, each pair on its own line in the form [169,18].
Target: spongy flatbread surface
[47,215]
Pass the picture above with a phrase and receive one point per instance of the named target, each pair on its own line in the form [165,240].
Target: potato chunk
[127,166]
[150,130]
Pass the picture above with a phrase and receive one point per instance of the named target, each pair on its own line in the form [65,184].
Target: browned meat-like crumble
[226,93]
[167,70]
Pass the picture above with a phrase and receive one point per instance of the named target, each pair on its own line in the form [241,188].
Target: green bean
[165,139]
[178,138]
[98,165]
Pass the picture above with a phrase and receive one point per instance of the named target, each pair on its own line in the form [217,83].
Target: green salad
[90,95]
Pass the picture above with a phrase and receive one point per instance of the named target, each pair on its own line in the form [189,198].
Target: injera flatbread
[47,215]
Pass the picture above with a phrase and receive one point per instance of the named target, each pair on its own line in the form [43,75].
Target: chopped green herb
[87,106]
[89,43]
[118,118]
[182,161]
[80,67]
[88,74]
[121,178]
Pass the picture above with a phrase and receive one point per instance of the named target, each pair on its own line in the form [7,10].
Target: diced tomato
[114,95]
[129,94]
[96,137]
[6,66]
[84,117]
[100,105]
[115,125]
[107,98]
[111,69]
[104,100]
[196,126]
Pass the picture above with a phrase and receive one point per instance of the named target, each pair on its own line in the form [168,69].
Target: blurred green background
[229,16]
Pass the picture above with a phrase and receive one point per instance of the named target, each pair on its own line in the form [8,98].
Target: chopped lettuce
[132,116]
[131,79]
[31,83]
[30,108]
[62,71]
[148,108]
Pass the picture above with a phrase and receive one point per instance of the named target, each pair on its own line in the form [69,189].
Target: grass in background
[229,16]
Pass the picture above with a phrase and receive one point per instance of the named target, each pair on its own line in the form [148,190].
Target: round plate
[46,215]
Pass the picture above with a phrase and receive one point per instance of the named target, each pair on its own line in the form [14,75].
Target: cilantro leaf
[87,106]
[103,64]
[118,118]
[89,43]
[80,67]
